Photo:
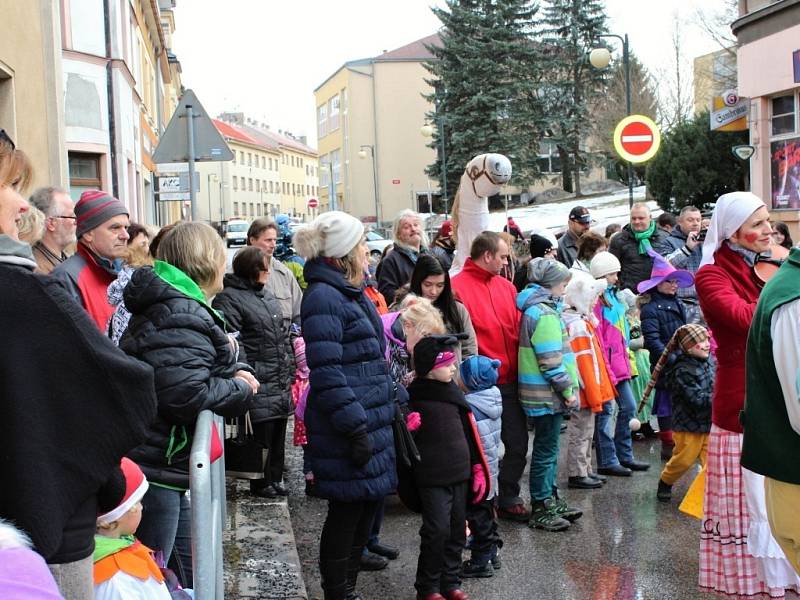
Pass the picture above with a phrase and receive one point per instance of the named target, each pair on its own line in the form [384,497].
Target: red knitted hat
[135,488]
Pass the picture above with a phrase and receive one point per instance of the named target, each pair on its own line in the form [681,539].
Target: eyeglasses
[65,217]
[4,137]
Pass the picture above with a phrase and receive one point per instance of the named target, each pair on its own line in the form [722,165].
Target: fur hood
[581,293]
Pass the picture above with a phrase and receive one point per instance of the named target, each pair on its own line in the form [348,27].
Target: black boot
[353,567]
[664,493]
[334,573]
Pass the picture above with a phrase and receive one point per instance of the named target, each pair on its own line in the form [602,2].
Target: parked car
[376,243]
[236,232]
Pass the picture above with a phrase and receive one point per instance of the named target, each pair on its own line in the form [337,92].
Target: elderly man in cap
[102,233]
[578,224]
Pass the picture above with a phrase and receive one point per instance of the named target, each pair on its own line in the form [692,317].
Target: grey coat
[487,406]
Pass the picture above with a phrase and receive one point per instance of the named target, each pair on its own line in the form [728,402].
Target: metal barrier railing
[207,487]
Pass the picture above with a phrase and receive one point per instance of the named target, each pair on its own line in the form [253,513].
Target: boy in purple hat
[661,316]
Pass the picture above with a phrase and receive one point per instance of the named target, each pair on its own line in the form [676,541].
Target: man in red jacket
[490,300]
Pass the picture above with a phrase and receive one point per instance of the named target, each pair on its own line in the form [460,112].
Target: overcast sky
[265,57]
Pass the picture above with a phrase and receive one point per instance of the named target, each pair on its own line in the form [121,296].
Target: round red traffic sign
[636,138]
[312,203]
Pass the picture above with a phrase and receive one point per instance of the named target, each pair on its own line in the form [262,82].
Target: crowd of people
[397,378]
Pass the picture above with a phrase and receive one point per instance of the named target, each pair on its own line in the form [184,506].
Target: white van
[236,232]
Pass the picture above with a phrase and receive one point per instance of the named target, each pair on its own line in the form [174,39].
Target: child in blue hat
[478,375]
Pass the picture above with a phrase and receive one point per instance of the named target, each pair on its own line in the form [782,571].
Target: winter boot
[664,493]
[543,516]
[495,559]
[334,573]
[563,509]
[477,567]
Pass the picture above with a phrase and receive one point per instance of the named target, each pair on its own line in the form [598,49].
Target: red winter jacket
[491,301]
[728,292]
[86,278]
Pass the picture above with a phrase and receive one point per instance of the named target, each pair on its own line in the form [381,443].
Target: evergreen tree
[695,165]
[568,32]
[486,76]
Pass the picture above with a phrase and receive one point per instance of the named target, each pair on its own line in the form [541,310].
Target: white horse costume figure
[483,176]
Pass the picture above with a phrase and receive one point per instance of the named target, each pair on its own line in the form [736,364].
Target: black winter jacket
[194,364]
[660,318]
[635,267]
[690,382]
[351,391]
[256,315]
[445,440]
[394,271]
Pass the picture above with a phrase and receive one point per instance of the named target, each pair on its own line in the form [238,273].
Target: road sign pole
[190,134]
[627,64]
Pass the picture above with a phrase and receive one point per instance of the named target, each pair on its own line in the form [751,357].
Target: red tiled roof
[414,50]
[233,132]
[275,139]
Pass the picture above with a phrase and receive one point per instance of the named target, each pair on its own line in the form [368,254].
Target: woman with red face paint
[738,555]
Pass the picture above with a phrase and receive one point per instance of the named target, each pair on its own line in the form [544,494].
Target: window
[324,172]
[783,115]
[249,159]
[258,185]
[322,120]
[252,211]
[258,210]
[283,186]
[235,183]
[241,157]
[333,110]
[250,188]
[266,209]
[84,173]
[336,160]
[236,209]
[549,160]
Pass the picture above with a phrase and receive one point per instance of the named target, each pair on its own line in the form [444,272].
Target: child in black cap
[450,457]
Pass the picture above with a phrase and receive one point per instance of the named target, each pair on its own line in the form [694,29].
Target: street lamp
[208,191]
[599,59]
[427,131]
[362,154]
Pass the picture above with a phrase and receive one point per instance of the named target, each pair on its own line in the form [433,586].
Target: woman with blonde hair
[350,406]
[175,330]
[31,226]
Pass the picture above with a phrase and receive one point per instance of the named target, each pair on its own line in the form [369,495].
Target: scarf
[643,237]
[730,213]
[14,252]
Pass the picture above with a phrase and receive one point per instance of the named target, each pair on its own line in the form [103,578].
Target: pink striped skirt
[726,565]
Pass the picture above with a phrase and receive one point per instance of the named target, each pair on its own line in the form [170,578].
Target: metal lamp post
[208,191]
[363,154]
[599,59]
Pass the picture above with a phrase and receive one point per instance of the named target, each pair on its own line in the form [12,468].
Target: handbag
[404,446]
[245,456]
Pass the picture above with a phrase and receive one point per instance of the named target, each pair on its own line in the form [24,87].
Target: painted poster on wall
[785,162]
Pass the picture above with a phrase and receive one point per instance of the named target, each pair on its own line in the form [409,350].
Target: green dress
[641,360]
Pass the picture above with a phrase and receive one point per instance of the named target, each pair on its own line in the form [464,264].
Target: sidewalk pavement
[261,558]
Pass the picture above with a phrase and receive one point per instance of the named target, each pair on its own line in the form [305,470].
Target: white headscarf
[730,213]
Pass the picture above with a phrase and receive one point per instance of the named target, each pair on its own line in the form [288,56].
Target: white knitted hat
[333,234]
[604,263]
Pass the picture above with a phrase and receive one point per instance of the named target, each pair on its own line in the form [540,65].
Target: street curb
[261,559]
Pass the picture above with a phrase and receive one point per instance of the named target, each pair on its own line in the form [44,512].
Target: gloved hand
[479,483]
[413,421]
[360,449]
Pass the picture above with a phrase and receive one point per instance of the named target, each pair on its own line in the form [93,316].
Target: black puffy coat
[660,318]
[194,365]
[351,391]
[256,315]
[395,271]
[690,382]
[635,267]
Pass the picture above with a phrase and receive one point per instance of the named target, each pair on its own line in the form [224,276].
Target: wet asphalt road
[627,545]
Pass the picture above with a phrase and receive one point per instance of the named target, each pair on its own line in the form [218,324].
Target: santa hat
[135,488]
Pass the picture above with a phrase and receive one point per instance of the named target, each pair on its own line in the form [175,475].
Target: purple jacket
[614,346]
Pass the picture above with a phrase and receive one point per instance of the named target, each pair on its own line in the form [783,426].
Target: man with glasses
[59,227]
[102,232]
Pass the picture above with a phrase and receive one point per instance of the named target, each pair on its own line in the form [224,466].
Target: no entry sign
[312,203]
[636,138]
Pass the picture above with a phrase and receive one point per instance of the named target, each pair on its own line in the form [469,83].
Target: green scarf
[104,546]
[643,237]
[185,285]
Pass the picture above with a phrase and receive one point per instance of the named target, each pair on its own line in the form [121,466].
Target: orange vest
[595,384]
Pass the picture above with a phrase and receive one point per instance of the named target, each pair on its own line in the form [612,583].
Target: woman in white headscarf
[738,555]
